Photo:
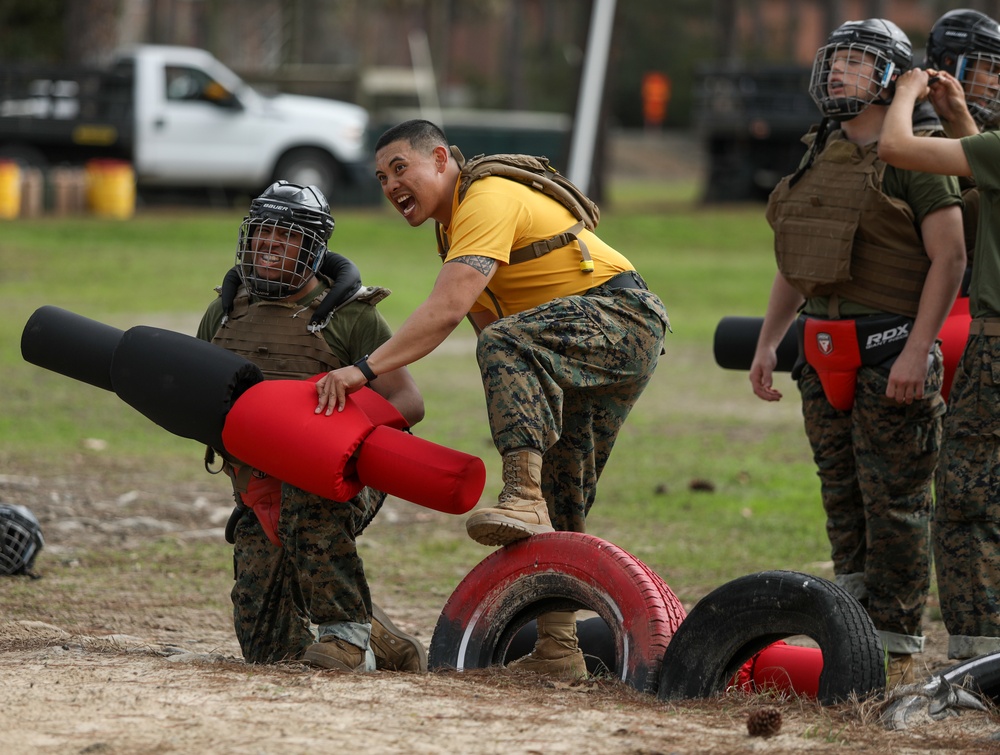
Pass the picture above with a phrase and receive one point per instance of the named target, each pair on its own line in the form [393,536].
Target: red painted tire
[558,571]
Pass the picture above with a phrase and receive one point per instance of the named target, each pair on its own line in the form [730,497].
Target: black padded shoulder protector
[345,280]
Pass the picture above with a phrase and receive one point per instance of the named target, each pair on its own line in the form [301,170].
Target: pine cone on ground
[764,722]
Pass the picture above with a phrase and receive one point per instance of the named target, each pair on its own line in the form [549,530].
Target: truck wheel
[741,617]
[559,571]
[309,167]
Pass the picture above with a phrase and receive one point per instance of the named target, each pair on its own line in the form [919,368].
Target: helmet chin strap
[267,289]
[848,107]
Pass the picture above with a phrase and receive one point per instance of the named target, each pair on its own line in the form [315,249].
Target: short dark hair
[418,133]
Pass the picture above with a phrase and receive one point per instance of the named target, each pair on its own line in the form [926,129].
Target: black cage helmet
[959,41]
[302,209]
[879,37]
[20,539]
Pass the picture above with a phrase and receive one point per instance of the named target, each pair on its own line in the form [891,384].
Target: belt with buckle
[626,279]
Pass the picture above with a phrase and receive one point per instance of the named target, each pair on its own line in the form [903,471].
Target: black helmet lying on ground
[20,539]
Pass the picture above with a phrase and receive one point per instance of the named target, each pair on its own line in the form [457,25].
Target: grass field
[707,482]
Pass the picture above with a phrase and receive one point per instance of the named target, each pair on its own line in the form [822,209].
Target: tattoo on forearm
[482,264]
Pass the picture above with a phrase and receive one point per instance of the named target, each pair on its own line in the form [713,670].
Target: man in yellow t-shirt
[564,352]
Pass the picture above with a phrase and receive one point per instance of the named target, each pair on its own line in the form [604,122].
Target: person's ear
[441,155]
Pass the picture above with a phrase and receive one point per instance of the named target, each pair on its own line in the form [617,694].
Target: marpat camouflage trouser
[966,526]
[876,466]
[281,594]
[562,377]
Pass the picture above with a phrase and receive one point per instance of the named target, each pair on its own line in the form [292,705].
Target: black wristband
[362,364]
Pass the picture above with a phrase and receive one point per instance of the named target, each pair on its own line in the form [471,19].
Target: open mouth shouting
[406,204]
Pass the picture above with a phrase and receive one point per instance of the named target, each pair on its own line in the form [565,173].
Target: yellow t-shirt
[499,215]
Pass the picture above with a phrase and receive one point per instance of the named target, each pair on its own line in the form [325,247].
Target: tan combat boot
[394,649]
[899,670]
[522,511]
[334,653]
[556,652]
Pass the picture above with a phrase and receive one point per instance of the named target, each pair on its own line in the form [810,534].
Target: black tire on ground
[558,571]
[308,166]
[746,615]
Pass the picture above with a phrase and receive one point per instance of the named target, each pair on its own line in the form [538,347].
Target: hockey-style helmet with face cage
[271,231]
[20,539]
[964,42]
[889,50]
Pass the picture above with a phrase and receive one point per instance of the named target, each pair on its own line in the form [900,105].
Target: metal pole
[588,111]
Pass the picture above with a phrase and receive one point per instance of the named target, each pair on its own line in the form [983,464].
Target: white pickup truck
[182,119]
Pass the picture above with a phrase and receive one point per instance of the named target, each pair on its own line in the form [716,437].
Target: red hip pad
[264,497]
[831,348]
[954,333]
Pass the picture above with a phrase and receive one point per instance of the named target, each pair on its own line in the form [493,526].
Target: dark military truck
[751,119]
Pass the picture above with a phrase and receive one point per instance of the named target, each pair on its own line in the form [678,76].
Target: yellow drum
[111,188]
[10,189]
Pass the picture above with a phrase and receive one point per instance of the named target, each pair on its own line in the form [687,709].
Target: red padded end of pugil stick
[273,426]
[420,471]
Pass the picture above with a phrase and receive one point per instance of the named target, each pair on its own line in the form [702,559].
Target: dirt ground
[117,672]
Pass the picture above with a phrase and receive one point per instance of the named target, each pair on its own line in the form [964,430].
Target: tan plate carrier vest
[275,335]
[837,234]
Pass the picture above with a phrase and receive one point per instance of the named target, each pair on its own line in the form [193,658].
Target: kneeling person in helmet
[295,310]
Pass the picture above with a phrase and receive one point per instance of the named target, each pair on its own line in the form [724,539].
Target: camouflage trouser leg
[829,433]
[895,450]
[281,594]
[562,378]
[967,516]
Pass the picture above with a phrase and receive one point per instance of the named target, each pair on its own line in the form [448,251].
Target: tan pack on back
[537,173]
